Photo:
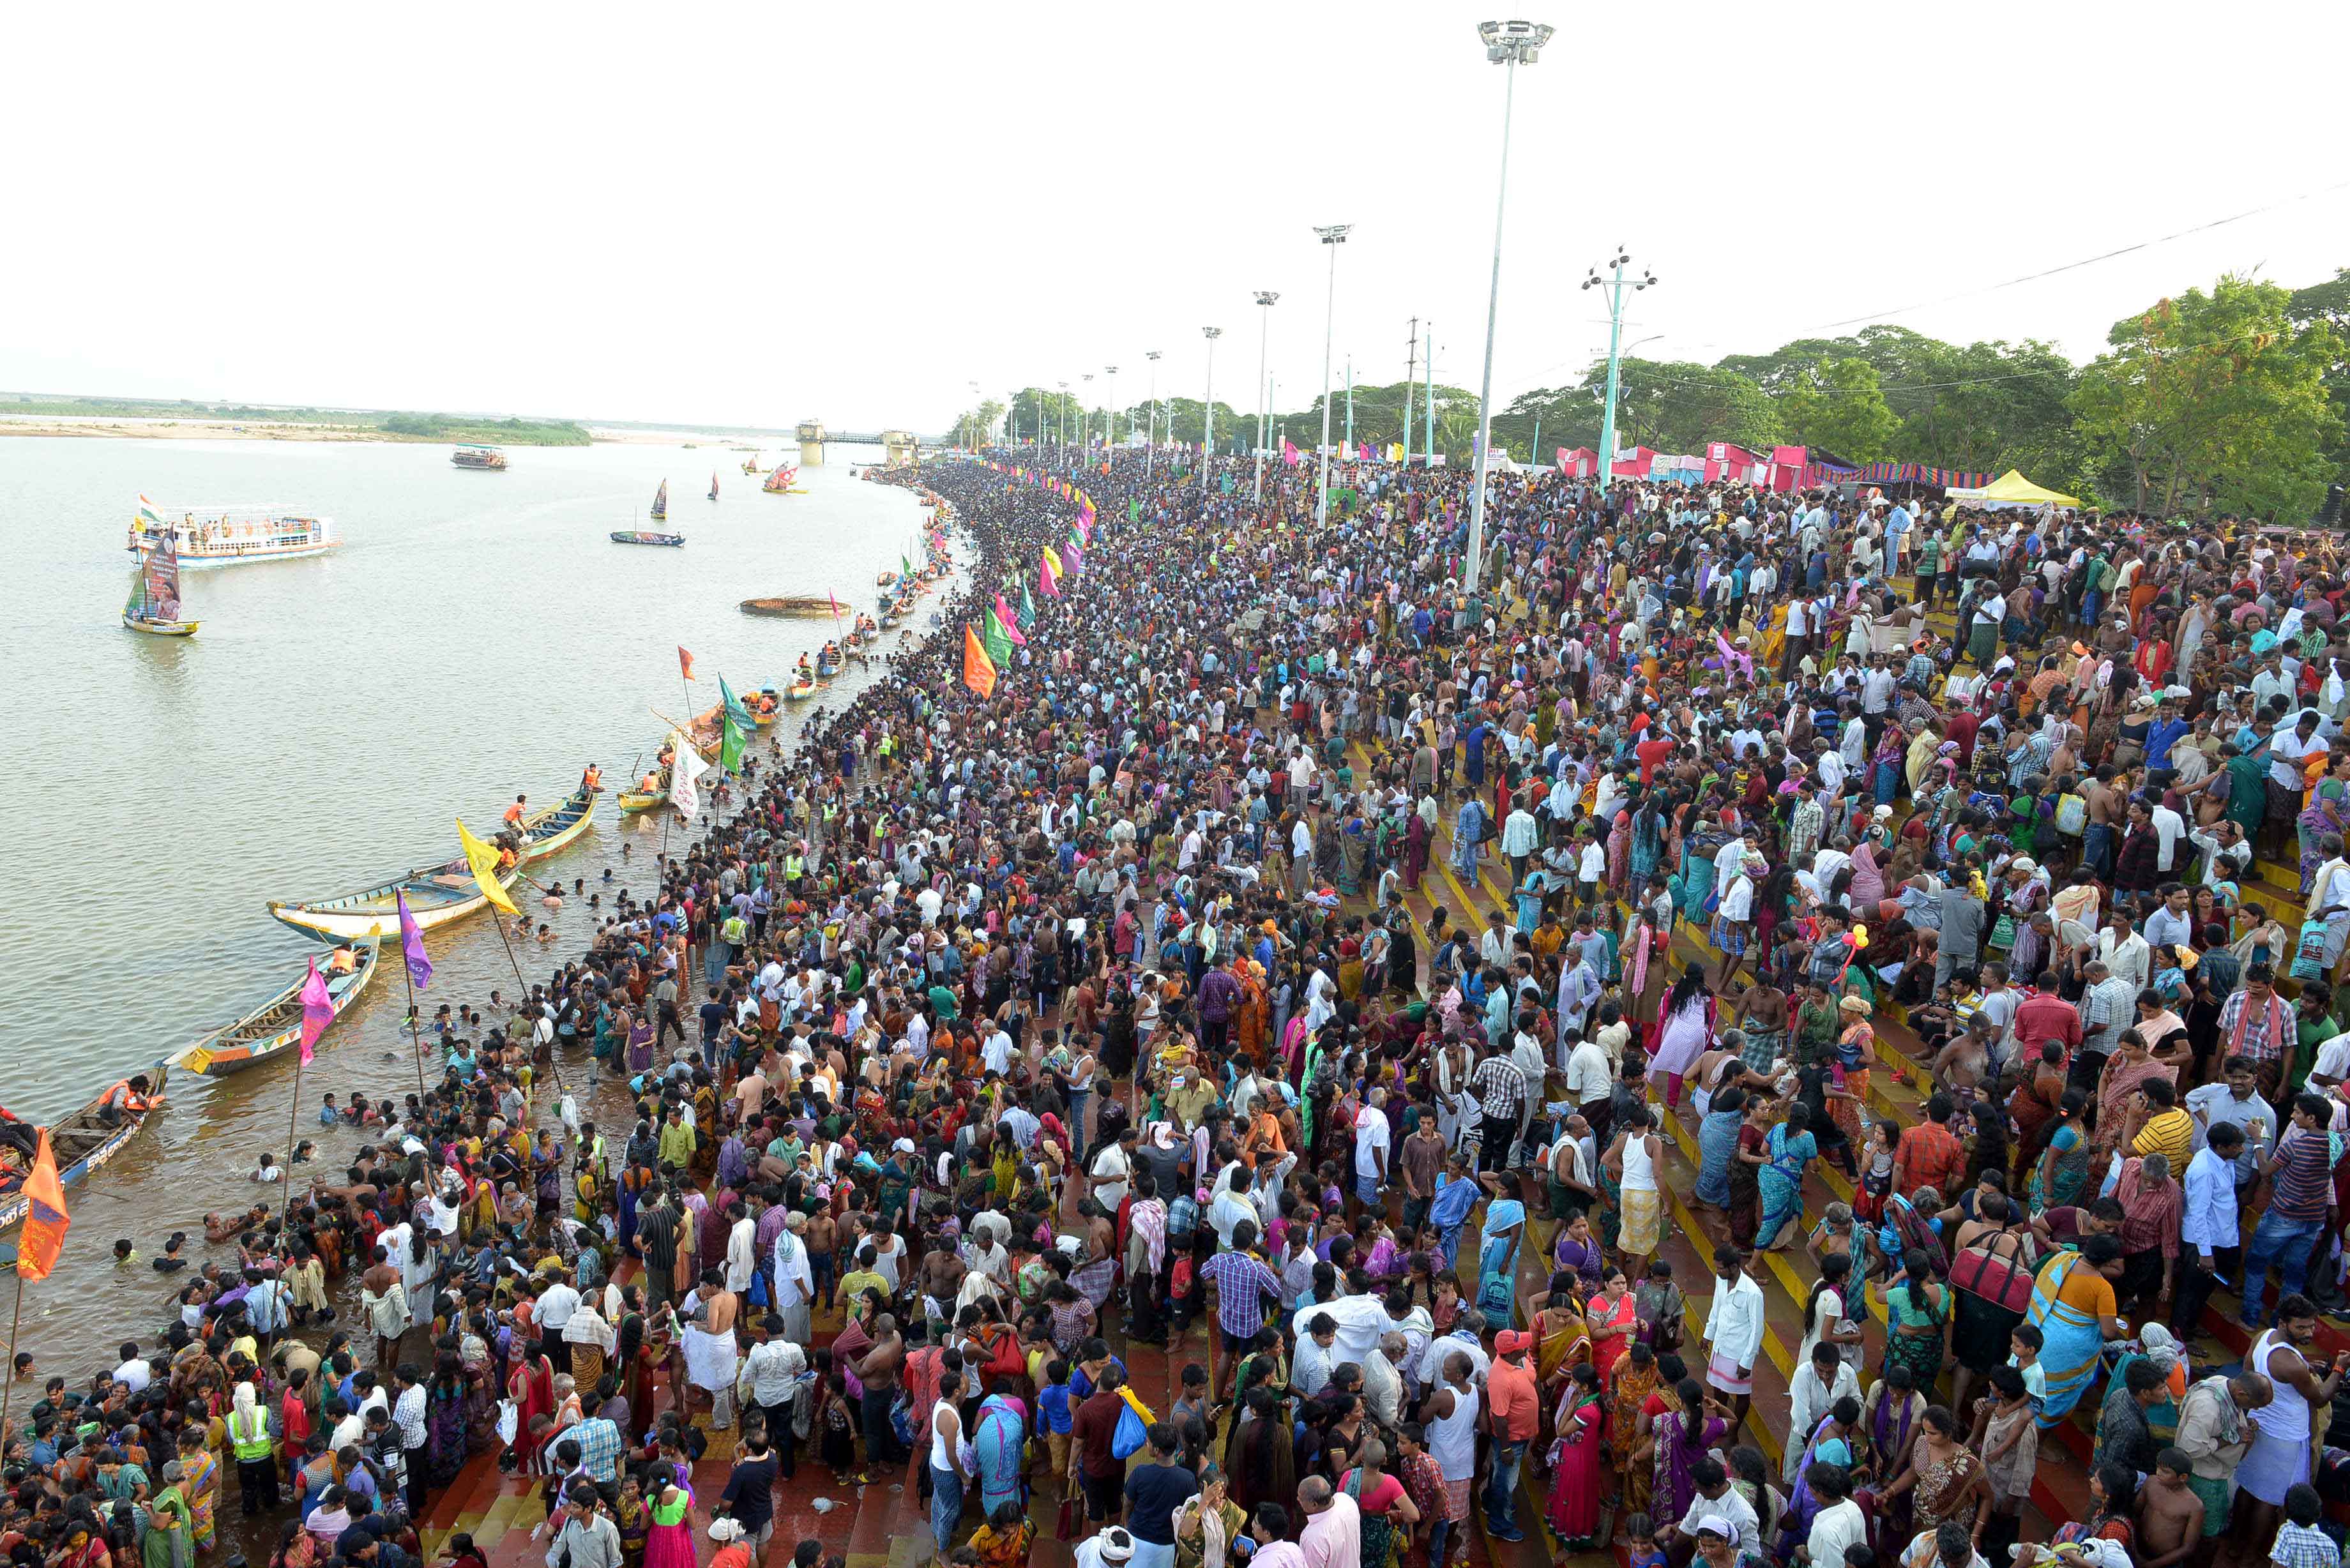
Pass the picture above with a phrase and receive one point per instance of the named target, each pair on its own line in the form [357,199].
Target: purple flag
[412,945]
[317,1010]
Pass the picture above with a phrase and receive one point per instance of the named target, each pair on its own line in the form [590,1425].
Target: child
[2023,1342]
[1659,1304]
[838,1443]
[124,1255]
[1643,1534]
[1002,1543]
[2299,1544]
[2007,1435]
[327,1115]
[1876,1174]
[1194,1417]
[1055,1413]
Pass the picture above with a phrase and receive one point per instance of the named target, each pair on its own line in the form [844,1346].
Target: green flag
[736,712]
[1134,511]
[1026,614]
[729,750]
[908,565]
[998,644]
[1228,483]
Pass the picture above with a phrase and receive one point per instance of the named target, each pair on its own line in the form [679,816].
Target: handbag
[2008,1288]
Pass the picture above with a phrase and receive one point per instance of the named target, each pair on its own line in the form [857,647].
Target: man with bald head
[2215,1431]
[1333,1536]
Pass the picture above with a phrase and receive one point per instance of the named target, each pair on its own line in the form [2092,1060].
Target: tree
[1839,405]
[2216,401]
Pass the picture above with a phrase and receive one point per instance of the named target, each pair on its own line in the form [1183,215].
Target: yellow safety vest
[255,1447]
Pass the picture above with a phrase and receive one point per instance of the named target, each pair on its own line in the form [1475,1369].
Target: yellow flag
[1053,559]
[483,859]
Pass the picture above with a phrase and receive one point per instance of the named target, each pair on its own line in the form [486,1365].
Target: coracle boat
[437,895]
[81,1144]
[277,1023]
[639,536]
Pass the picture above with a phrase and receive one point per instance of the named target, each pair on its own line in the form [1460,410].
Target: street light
[1111,371]
[1264,297]
[1208,415]
[1333,235]
[1509,45]
[1150,447]
[1064,443]
[1614,286]
[1086,414]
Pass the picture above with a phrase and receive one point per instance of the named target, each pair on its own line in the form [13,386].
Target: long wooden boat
[437,895]
[633,801]
[83,1143]
[792,605]
[640,536]
[275,1024]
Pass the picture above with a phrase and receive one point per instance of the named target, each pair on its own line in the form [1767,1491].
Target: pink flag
[1289,454]
[1073,558]
[317,1010]
[1045,582]
[1011,625]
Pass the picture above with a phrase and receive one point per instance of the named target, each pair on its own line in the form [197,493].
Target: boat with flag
[660,503]
[82,1143]
[780,482]
[154,607]
[474,455]
[714,484]
[277,1023]
[231,535]
[436,895]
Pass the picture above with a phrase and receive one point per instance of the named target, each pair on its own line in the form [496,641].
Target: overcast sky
[755,214]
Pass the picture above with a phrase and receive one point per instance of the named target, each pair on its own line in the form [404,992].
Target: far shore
[121,429]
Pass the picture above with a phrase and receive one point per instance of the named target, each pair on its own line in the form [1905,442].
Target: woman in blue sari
[2074,1308]
[1497,1258]
[998,1441]
[1793,1148]
[1456,1194]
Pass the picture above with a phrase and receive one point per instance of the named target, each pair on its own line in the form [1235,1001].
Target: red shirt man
[1511,1391]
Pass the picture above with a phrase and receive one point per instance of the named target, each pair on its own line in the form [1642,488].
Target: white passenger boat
[226,536]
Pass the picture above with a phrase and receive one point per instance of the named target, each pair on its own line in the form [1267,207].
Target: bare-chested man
[878,1372]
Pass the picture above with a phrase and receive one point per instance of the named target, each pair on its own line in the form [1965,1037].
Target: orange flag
[44,1219]
[978,670]
[685,662]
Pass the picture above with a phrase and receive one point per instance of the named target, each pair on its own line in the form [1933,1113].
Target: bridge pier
[811,435]
[900,448]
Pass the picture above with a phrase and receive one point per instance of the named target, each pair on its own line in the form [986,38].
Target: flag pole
[8,1388]
[293,1121]
[415,1027]
[554,1056]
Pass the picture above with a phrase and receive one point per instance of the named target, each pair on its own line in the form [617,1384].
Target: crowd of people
[1310,973]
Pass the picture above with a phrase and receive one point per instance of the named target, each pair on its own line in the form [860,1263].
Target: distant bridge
[896,446]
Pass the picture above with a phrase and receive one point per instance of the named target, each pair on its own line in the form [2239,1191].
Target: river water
[476,636]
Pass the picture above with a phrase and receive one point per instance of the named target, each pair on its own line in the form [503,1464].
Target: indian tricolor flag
[147,513]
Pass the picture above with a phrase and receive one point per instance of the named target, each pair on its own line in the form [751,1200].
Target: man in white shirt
[1733,1329]
[1715,1501]
[2125,952]
[134,1374]
[1372,1138]
[556,1305]
[1817,1384]
[1839,1526]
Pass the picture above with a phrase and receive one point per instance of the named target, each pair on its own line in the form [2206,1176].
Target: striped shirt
[2261,1037]
[2304,1170]
[1500,1088]
[2150,1211]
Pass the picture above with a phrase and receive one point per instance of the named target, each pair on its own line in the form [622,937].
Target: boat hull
[438,895]
[194,563]
[633,801]
[225,1053]
[162,628]
[106,1144]
[670,540]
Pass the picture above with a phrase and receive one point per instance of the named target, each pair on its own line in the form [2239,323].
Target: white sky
[755,213]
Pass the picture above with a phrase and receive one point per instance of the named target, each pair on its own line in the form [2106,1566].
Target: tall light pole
[1265,299]
[1208,412]
[1507,44]
[1064,443]
[1614,287]
[1111,371]
[1085,413]
[1333,235]
[1150,446]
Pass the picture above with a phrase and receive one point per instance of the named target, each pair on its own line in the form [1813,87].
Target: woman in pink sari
[2130,1067]
[1867,889]
[1577,1459]
[532,1388]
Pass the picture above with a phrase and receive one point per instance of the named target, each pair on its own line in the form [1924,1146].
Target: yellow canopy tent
[2012,489]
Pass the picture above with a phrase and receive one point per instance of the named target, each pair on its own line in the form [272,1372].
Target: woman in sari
[1792,1149]
[444,1418]
[1917,1317]
[1456,1195]
[1572,1513]
[1680,1436]
[1562,1339]
[200,1484]
[1497,1258]
[2074,1308]
[1944,1476]
[1577,1251]
[2062,1169]
[1634,1382]
[170,1541]
[531,1389]
[2132,1065]
[1207,1523]
[1856,1054]
[2328,811]
[1619,851]
[1613,1317]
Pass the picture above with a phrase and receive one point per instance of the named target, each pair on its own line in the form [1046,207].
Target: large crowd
[1321,974]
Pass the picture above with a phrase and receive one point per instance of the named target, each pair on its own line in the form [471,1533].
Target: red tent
[1578,463]
[1726,460]
[1633,463]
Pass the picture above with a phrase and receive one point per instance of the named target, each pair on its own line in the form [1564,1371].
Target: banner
[730,747]
[317,1011]
[978,670]
[411,944]
[686,767]
[44,1236]
[483,862]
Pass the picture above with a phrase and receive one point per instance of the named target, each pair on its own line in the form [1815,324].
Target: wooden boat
[885,579]
[660,502]
[714,484]
[275,1024]
[487,459]
[790,605]
[780,482]
[437,895]
[83,1143]
[633,801]
[154,607]
[637,536]
[800,690]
